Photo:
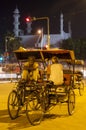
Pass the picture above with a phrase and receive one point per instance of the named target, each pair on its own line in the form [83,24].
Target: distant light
[39,31]
[28,19]
[1,58]
[46,46]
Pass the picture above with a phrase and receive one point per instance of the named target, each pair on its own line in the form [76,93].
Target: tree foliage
[78,45]
[11,43]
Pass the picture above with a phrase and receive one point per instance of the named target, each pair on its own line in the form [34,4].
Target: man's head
[54,59]
[31,60]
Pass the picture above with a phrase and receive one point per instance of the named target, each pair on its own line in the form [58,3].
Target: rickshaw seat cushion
[67,79]
[53,89]
[51,84]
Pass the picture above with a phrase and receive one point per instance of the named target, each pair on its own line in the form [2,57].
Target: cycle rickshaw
[77,68]
[79,72]
[39,97]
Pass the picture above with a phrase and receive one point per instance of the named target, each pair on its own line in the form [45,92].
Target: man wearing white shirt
[55,72]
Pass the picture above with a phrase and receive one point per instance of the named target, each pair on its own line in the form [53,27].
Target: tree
[11,43]
[67,44]
[78,45]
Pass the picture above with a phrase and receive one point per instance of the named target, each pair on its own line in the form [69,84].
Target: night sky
[73,10]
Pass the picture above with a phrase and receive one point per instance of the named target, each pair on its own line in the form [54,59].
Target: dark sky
[73,10]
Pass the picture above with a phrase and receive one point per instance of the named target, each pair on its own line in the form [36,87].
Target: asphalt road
[56,119]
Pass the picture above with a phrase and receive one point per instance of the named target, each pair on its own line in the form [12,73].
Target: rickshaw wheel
[71,102]
[13,105]
[34,109]
[81,88]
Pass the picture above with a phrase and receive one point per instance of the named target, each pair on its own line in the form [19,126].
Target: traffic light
[29,19]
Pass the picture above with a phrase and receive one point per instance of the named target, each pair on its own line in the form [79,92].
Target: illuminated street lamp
[39,31]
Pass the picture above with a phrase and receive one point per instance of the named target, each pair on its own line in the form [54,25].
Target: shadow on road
[21,122]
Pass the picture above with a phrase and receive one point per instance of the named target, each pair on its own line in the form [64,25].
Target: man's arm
[48,71]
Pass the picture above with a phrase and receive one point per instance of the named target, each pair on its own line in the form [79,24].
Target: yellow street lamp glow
[39,31]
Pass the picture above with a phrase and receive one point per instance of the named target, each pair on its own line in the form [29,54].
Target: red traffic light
[28,19]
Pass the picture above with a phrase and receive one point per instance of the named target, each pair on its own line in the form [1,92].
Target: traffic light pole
[48,29]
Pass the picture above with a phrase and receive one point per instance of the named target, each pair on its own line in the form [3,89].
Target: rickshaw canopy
[76,61]
[23,54]
[79,62]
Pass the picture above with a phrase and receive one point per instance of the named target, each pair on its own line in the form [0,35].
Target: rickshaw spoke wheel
[81,88]
[13,105]
[71,102]
[34,109]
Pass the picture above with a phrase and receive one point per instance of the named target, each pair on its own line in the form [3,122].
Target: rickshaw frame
[78,82]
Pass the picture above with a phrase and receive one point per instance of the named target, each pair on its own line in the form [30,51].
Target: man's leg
[25,74]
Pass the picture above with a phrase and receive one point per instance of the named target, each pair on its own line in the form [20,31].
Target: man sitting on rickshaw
[56,80]
[55,72]
[30,70]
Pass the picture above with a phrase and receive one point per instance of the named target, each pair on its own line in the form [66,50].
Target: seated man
[30,69]
[55,72]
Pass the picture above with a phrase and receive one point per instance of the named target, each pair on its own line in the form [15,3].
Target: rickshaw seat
[67,79]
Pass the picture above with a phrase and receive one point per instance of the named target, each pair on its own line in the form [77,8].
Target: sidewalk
[8,81]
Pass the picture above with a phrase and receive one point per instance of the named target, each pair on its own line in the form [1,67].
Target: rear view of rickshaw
[78,76]
[39,97]
[76,68]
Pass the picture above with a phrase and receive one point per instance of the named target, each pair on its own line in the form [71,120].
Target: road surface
[56,119]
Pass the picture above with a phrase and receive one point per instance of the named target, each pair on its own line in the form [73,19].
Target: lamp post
[40,32]
[48,33]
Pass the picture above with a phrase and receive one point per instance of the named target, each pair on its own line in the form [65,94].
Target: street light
[39,31]
[48,29]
